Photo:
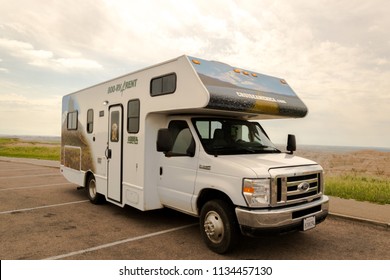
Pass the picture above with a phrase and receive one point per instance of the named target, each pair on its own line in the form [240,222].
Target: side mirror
[164,140]
[291,144]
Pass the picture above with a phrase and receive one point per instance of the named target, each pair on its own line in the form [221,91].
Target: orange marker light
[237,70]
[249,190]
[196,61]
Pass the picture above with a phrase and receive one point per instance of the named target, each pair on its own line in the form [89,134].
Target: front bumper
[253,222]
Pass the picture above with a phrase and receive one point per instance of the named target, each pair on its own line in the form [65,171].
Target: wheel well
[86,177]
[210,194]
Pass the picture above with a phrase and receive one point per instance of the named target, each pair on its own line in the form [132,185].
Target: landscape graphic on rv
[248,91]
[75,147]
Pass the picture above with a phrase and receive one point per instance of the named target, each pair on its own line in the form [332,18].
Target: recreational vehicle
[186,134]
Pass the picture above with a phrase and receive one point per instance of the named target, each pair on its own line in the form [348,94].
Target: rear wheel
[93,195]
[218,226]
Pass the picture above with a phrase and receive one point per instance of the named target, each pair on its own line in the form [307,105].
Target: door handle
[108,153]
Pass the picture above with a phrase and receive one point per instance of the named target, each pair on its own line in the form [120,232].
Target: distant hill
[35,138]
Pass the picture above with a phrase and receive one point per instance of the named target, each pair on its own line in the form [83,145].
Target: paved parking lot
[42,216]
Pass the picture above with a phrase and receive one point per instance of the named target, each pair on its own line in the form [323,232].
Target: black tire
[218,226]
[93,195]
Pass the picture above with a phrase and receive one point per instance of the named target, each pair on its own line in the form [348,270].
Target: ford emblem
[304,186]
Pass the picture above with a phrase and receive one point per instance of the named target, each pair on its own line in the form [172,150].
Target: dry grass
[361,175]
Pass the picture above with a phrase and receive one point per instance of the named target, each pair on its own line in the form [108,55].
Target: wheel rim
[213,227]
[92,188]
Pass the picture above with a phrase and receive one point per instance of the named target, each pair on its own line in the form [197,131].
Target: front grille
[293,192]
[296,187]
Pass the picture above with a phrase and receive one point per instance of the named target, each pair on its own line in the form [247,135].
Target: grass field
[14,147]
[359,187]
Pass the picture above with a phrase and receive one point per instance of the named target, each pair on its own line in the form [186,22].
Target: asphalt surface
[42,216]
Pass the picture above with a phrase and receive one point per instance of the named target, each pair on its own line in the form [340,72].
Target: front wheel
[93,195]
[218,226]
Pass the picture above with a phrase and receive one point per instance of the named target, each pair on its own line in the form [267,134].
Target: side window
[163,85]
[183,142]
[245,134]
[133,111]
[90,121]
[115,132]
[71,120]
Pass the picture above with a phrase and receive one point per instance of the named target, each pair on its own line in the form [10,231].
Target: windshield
[230,136]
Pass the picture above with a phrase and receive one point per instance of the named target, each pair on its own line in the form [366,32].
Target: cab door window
[183,142]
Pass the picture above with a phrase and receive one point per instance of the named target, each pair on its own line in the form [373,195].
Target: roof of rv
[237,89]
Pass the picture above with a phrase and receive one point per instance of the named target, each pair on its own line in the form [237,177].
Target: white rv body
[109,133]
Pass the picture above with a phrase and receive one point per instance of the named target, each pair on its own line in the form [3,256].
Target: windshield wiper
[244,150]
[261,149]
[273,149]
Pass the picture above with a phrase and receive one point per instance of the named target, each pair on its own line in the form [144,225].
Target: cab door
[178,168]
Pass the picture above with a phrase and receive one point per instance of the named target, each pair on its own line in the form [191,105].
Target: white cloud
[80,63]
[23,115]
[4,70]
[45,58]
[12,45]
[333,53]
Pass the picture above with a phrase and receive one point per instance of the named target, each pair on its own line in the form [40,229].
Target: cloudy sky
[335,54]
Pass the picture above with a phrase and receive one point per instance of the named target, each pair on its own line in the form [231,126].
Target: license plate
[309,223]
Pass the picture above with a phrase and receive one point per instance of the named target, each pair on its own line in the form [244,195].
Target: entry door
[114,154]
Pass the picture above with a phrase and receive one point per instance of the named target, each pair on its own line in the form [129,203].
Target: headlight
[257,192]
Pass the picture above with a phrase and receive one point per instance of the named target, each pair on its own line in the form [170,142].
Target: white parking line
[41,207]
[36,186]
[71,254]
[24,169]
[36,175]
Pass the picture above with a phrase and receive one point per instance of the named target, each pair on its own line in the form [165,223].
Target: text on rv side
[122,87]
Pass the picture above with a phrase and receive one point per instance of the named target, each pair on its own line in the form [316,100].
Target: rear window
[72,120]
